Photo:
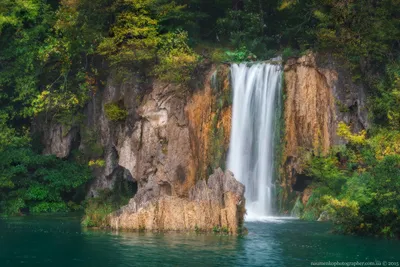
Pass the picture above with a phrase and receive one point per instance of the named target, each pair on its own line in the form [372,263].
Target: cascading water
[256,103]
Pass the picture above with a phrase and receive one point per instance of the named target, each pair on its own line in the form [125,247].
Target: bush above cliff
[137,43]
[177,60]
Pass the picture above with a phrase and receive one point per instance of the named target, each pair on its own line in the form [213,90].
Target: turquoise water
[60,241]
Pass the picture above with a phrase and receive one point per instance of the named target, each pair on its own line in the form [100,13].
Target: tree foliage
[24,25]
[38,183]
[137,40]
[358,184]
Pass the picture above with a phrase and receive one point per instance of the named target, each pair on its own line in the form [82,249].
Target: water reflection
[174,249]
[60,241]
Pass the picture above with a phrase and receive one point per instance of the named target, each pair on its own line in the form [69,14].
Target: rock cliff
[319,93]
[169,143]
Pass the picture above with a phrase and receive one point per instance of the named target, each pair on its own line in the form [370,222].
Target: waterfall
[256,103]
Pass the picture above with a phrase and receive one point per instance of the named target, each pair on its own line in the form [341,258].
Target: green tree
[137,42]
[134,36]
[38,183]
[24,25]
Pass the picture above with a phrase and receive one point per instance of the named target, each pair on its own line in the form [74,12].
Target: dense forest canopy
[54,56]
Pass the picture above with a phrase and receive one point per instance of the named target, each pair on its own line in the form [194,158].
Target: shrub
[216,229]
[220,230]
[385,102]
[344,131]
[218,55]
[44,207]
[288,52]
[313,207]
[92,147]
[114,112]
[344,213]
[364,200]
[240,55]
[225,230]
[326,174]
[38,183]
[176,59]
[97,163]
[97,209]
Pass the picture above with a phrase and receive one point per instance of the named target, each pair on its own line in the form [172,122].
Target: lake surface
[60,241]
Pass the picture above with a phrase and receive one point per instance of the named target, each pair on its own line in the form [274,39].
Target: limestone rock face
[164,144]
[319,94]
[209,117]
[174,141]
[168,144]
[218,202]
[309,107]
[151,145]
[58,139]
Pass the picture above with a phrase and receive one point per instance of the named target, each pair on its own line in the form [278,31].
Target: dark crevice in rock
[302,181]
[180,174]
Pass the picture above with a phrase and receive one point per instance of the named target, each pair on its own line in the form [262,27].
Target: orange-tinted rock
[319,94]
[219,202]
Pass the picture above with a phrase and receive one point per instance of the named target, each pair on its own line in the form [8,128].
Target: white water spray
[256,101]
